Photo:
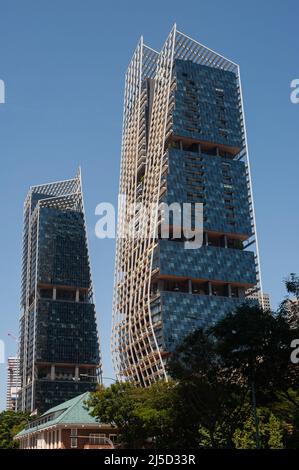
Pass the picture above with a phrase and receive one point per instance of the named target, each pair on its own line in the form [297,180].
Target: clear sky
[63,63]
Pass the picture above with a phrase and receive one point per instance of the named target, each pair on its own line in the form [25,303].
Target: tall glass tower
[184,141]
[59,345]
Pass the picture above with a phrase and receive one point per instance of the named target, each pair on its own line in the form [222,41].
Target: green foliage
[257,344]
[142,415]
[216,370]
[271,432]
[11,423]
[292,284]
[215,439]
[214,401]
[289,307]
[286,409]
[292,440]
[218,375]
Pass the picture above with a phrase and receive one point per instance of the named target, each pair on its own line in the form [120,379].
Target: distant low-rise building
[68,426]
[13,382]
[262,298]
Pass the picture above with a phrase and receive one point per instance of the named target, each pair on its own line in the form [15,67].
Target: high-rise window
[59,346]
[184,138]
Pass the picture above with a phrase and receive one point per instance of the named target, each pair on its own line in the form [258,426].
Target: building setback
[13,383]
[59,346]
[184,141]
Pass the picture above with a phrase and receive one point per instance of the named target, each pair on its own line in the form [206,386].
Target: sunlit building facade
[184,141]
[262,298]
[13,383]
[59,345]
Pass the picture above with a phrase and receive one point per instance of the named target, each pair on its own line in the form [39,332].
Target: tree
[257,344]
[271,432]
[223,371]
[218,376]
[11,423]
[116,405]
[214,401]
[292,284]
[143,416]
[287,411]
[289,307]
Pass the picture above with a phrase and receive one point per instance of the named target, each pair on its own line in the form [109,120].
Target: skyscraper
[184,141]
[59,345]
[13,382]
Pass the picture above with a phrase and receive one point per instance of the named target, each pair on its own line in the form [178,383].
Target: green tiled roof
[70,412]
[67,404]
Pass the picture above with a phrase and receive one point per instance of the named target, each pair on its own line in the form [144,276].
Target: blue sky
[63,63]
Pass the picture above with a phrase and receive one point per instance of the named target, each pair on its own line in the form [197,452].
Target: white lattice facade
[148,134]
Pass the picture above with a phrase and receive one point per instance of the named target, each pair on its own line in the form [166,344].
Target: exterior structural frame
[149,81]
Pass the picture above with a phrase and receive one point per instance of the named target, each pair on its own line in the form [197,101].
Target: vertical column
[190,286]
[76,373]
[225,241]
[210,288]
[77,295]
[52,371]
[206,238]
[54,293]
[229,290]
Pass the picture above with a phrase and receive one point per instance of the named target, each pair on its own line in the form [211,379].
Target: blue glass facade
[211,180]
[181,313]
[183,143]
[206,104]
[63,248]
[59,347]
[193,288]
[205,263]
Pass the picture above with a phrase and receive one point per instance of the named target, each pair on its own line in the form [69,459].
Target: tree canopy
[11,423]
[144,416]
[233,386]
